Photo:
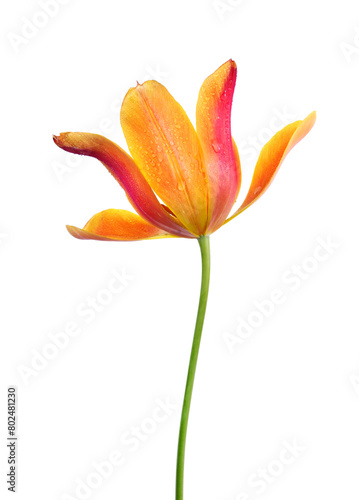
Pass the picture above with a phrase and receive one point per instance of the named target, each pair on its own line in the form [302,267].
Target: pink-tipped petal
[221,159]
[128,175]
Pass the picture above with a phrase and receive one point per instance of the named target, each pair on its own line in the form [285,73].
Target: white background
[295,378]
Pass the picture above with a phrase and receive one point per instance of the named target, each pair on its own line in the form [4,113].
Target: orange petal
[272,156]
[117,225]
[126,172]
[213,117]
[165,146]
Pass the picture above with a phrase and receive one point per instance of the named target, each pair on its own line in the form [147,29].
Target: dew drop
[216,147]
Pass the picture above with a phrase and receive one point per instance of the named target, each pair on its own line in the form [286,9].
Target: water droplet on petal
[216,147]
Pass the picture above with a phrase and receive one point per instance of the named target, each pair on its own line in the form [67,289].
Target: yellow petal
[271,158]
[117,225]
[165,146]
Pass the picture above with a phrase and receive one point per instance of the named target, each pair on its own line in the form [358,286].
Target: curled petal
[117,225]
[213,119]
[126,172]
[165,146]
[272,156]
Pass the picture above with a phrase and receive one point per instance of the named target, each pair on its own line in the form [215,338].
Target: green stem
[205,254]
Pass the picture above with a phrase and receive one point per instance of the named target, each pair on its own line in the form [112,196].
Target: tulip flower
[195,173]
